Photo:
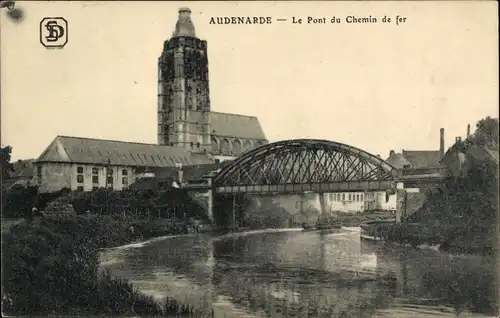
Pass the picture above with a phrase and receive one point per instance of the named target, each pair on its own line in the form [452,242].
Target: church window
[349,197]
[125,181]
[79,178]
[124,172]
[95,171]
[79,170]
[361,197]
[95,179]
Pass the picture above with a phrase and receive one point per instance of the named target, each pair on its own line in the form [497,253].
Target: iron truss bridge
[302,165]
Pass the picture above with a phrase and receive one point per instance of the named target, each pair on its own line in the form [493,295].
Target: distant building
[416,162]
[460,156]
[348,202]
[185,118]
[419,161]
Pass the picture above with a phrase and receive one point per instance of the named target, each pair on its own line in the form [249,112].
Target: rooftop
[423,159]
[238,126]
[121,153]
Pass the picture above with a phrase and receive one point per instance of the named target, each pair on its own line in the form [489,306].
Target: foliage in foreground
[50,267]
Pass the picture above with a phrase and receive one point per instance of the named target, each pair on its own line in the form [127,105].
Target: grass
[50,267]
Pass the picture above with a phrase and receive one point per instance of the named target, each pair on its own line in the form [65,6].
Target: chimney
[441,142]
[458,139]
[392,153]
[468,130]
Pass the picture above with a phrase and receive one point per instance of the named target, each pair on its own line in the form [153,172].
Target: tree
[486,133]
[7,166]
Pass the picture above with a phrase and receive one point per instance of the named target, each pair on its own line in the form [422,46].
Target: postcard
[250,158]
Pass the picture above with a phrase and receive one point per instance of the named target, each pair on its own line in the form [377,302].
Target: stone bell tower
[183,92]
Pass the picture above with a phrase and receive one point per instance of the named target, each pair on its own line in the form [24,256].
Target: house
[461,155]
[86,164]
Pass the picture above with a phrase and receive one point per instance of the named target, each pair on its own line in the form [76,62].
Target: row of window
[95,176]
[96,171]
[358,197]
[80,188]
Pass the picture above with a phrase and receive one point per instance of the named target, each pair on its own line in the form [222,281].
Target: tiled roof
[420,159]
[239,126]
[99,151]
[398,161]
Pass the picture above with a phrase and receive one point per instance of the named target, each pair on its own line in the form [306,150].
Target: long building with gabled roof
[87,164]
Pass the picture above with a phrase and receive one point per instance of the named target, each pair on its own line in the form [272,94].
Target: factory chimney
[468,130]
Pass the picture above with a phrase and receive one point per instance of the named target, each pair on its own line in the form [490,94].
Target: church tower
[183,92]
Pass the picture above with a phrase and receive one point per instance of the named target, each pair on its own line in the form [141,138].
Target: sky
[373,86]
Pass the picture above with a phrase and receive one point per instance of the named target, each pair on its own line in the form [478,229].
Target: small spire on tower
[184,25]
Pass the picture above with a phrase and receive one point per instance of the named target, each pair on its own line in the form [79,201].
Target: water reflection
[286,274]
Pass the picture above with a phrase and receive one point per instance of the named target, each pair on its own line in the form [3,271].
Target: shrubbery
[50,267]
[165,203]
[462,213]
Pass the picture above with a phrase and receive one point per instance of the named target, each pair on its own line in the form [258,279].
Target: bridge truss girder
[305,165]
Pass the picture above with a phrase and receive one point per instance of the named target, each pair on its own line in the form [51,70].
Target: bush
[50,267]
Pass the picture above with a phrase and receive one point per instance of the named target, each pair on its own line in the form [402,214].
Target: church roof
[422,159]
[238,126]
[120,153]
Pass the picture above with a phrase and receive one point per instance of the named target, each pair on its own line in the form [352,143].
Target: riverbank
[356,219]
[51,267]
[453,238]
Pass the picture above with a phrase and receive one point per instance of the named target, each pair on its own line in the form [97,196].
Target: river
[292,273]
